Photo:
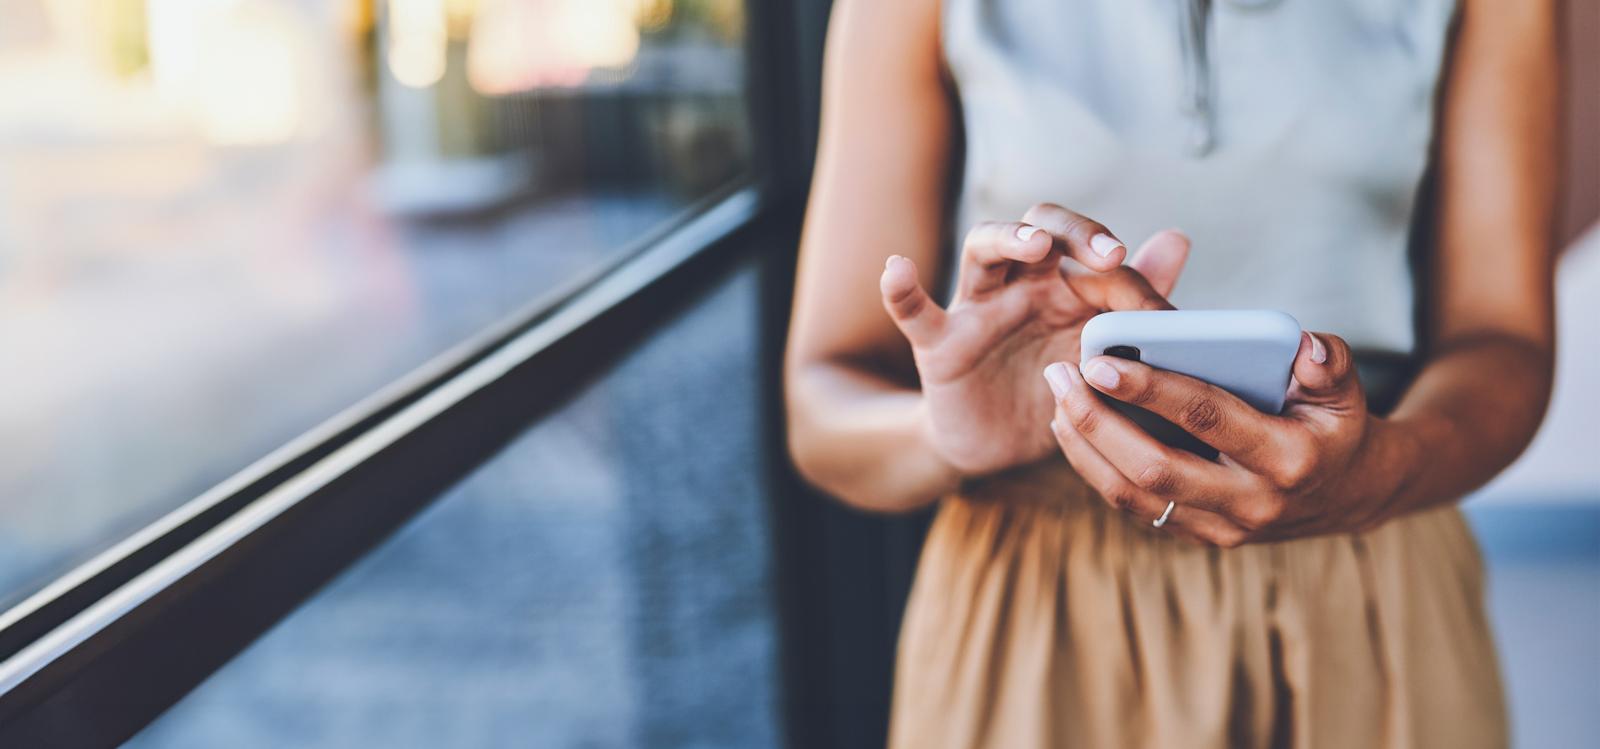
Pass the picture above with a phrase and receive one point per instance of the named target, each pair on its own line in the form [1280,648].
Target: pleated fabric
[1042,618]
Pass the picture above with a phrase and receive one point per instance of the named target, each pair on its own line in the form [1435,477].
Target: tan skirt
[1041,618]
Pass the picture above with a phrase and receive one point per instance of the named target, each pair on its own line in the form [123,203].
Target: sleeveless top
[1287,138]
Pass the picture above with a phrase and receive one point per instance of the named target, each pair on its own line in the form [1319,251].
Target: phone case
[1247,352]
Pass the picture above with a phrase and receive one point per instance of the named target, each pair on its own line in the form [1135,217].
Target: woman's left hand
[1318,467]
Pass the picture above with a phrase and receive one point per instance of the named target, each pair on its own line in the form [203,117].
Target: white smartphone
[1246,352]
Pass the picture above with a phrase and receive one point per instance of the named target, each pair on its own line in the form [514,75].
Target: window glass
[222,223]
[603,582]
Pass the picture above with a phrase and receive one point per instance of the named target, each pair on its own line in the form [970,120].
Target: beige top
[1286,137]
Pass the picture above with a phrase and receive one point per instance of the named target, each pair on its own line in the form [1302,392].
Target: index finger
[992,248]
[1121,288]
[1084,239]
[1213,415]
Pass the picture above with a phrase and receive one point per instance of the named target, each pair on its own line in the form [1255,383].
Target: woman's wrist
[940,473]
[1386,468]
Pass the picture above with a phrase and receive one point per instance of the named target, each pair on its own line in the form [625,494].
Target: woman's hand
[1014,310]
[1324,466]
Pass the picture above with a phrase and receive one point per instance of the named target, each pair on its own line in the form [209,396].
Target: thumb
[1160,259]
[919,318]
[1325,370]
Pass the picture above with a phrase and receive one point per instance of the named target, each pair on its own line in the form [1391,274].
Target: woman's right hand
[1017,308]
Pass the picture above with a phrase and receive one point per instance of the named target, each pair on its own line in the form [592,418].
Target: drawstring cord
[1194,25]
[1195,43]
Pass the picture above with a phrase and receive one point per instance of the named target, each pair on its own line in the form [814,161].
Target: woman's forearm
[862,438]
[1472,410]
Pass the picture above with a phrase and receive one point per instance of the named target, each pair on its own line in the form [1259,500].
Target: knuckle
[906,302]
[1039,211]
[1152,302]
[1334,343]
[1144,391]
[1121,499]
[1227,539]
[1123,274]
[1200,415]
[1261,513]
[1157,478]
[1134,290]
[980,235]
[1082,415]
[1081,227]
[1294,469]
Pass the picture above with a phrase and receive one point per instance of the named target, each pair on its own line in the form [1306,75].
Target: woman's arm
[1483,391]
[878,190]
[890,426]
[1326,465]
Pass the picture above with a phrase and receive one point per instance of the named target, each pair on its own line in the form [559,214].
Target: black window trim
[133,652]
[728,215]
[55,603]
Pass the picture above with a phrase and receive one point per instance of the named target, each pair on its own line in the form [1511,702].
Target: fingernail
[1056,375]
[1104,244]
[888,261]
[1319,353]
[1026,232]
[1102,374]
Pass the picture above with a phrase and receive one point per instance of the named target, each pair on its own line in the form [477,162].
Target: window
[320,310]
[602,582]
[223,225]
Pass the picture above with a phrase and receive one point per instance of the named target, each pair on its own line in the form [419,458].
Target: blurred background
[223,223]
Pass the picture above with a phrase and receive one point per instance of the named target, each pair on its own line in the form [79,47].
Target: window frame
[125,635]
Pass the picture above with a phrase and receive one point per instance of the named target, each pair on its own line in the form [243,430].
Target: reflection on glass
[231,69]
[224,221]
[601,583]
[587,35]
